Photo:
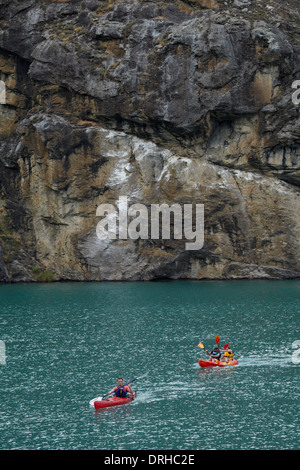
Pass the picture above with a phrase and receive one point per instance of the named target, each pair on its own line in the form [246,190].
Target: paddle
[201,346]
[217,338]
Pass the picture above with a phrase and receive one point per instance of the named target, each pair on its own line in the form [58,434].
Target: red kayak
[112,401]
[216,363]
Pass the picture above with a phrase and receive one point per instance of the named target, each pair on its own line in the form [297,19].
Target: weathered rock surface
[162,102]
[4,277]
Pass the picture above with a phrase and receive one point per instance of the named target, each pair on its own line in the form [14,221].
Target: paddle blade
[143,376]
[200,345]
[217,338]
[137,378]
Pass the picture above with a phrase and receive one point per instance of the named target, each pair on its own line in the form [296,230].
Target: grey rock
[4,276]
[19,273]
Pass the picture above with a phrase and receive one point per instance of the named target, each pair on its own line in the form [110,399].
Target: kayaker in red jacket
[121,390]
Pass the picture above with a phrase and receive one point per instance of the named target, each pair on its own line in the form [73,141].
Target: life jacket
[121,392]
[229,354]
[215,354]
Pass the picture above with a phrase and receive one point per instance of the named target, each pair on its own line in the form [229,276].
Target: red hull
[202,363]
[112,401]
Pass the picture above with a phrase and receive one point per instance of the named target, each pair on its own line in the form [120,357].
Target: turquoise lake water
[66,343]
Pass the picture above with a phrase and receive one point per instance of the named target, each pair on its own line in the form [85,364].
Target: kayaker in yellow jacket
[228,353]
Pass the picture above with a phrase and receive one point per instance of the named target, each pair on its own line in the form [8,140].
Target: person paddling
[215,354]
[228,353]
[121,390]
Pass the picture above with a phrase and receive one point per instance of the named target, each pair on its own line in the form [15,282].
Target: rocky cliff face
[162,102]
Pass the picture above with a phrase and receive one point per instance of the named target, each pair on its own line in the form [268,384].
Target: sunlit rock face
[185,102]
